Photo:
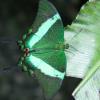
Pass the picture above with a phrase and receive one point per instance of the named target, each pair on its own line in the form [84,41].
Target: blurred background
[16,16]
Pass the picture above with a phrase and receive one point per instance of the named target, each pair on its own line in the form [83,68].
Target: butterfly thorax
[62,46]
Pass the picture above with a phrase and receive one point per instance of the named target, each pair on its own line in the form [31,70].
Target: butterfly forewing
[49,33]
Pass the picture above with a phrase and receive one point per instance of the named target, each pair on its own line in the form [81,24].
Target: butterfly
[43,49]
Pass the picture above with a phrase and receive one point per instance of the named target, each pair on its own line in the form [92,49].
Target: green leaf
[84,36]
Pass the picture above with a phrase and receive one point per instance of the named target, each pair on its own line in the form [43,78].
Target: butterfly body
[58,46]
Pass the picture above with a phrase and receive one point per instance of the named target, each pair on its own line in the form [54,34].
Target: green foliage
[86,28]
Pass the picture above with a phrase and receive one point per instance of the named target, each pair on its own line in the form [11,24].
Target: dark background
[16,16]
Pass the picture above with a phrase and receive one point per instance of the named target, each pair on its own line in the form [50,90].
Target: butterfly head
[66,46]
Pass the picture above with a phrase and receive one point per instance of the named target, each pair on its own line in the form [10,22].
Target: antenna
[69,45]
